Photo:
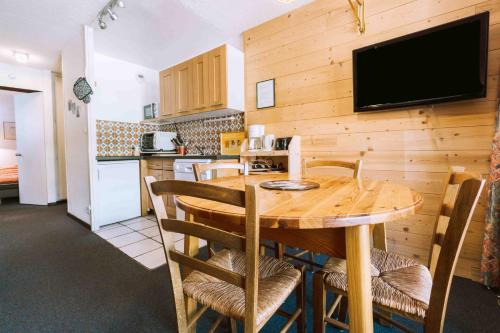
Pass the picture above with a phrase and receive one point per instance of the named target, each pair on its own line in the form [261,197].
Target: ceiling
[153,33]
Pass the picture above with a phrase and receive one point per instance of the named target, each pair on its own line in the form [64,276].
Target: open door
[30,142]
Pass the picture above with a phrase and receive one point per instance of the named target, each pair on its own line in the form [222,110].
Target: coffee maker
[255,137]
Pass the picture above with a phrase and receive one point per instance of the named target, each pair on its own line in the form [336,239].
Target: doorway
[23,145]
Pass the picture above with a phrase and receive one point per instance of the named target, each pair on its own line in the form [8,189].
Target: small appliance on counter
[282,143]
[255,137]
[158,142]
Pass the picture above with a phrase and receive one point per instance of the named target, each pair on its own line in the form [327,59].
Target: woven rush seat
[277,279]
[398,282]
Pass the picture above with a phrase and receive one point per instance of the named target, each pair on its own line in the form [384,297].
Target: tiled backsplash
[118,138]
[205,133]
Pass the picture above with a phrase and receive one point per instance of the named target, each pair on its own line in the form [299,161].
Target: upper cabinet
[167,88]
[217,74]
[200,82]
[183,87]
[208,82]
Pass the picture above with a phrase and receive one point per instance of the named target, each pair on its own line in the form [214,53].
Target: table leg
[191,247]
[359,279]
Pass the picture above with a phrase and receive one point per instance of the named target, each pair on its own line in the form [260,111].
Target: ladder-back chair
[401,285]
[200,168]
[235,282]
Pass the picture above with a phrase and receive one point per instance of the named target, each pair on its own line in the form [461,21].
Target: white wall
[59,120]
[41,80]
[120,94]
[76,130]
[7,147]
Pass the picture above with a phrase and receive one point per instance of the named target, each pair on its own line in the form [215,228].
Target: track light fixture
[108,10]
[102,24]
[112,14]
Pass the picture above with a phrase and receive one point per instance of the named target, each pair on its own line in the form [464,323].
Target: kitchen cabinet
[200,82]
[161,170]
[183,87]
[167,88]
[209,82]
[217,77]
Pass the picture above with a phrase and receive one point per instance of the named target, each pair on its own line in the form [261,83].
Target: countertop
[170,156]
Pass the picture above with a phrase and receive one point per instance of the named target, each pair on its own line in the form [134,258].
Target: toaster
[157,141]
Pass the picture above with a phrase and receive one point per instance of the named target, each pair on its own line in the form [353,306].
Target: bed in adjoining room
[9,182]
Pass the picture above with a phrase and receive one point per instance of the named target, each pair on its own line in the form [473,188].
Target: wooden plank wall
[308,52]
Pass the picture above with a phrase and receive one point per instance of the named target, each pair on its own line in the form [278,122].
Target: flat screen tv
[442,64]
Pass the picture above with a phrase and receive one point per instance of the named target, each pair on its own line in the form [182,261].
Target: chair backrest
[314,163]
[200,168]
[454,227]
[249,244]
[454,180]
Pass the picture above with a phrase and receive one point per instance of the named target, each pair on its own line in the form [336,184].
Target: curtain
[491,243]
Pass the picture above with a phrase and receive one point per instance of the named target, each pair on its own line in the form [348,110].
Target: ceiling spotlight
[102,24]
[21,57]
[112,14]
[120,4]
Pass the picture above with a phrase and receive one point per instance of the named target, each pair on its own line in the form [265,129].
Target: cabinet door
[217,77]
[200,82]
[183,87]
[158,174]
[167,92]
[169,199]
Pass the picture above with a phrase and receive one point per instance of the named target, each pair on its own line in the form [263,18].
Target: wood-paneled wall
[309,53]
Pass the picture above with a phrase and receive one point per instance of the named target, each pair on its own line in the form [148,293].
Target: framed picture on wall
[266,97]
[9,130]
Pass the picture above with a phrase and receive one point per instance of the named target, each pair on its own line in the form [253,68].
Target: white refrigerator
[118,192]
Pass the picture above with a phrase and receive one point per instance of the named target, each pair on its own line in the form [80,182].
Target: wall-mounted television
[442,64]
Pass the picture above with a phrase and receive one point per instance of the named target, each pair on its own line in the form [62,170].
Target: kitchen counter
[165,156]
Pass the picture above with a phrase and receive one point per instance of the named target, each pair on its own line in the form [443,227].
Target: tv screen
[441,64]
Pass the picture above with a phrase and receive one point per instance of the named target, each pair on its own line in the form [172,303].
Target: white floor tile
[151,217]
[158,239]
[150,232]
[141,247]
[152,259]
[126,239]
[113,232]
[179,245]
[142,225]
[109,226]
[134,220]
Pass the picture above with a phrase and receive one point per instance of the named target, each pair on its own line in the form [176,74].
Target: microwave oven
[157,141]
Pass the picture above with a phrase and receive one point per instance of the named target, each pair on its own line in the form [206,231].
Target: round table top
[338,202]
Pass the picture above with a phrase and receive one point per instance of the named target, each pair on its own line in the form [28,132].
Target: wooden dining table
[333,219]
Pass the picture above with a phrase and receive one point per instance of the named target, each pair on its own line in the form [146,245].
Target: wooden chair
[314,163]
[200,168]
[400,285]
[235,282]
[280,249]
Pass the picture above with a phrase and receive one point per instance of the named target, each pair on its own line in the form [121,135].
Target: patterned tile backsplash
[118,138]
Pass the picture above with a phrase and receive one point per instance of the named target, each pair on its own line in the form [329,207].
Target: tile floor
[140,239]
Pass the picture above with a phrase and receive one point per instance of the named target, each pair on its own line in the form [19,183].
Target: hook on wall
[358,10]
